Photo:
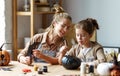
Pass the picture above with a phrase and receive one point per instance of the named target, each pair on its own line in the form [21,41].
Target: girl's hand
[26,60]
[62,52]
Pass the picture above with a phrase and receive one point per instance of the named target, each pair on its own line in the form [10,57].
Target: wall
[6,23]
[106,12]
[24,24]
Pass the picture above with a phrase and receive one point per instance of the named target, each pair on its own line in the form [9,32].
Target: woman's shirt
[39,41]
[94,53]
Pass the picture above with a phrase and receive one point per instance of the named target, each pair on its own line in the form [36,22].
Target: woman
[46,46]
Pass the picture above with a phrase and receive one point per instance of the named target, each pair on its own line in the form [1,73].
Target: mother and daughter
[51,45]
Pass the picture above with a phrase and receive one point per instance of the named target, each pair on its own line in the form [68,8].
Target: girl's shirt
[93,54]
[39,41]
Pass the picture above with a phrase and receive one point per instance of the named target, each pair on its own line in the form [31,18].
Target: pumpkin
[115,72]
[4,57]
[71,62]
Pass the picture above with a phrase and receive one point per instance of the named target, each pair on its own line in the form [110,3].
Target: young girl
[86,50]
[46,46]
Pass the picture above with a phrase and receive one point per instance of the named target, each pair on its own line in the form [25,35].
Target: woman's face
[82,37]
[62,27]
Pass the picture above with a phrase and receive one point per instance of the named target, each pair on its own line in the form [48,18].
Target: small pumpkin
[71,62]
[115,70]
[4,57]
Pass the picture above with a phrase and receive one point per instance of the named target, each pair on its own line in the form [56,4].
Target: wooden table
[53,70]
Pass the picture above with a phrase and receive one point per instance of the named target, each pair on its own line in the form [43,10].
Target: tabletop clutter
[37,68]
[69,63]
[103,69]
[72,62]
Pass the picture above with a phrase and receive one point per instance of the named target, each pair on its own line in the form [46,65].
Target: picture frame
[111,49]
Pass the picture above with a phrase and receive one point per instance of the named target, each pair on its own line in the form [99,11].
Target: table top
[15,69]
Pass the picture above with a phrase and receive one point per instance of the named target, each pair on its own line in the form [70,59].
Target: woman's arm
[27,51]
[49,59]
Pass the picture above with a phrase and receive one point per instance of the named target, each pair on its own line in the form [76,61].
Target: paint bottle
[82,69]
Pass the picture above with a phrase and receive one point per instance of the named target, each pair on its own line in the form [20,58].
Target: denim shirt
[48,52]
[39,41]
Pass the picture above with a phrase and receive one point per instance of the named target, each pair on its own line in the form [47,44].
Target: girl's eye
[82,35]
[77,35]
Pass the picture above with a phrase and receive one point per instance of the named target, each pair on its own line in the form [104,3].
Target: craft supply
[6,69]
[91,69]
[83,68]
[40,71]
[25,70]
[35,67]
[45,69]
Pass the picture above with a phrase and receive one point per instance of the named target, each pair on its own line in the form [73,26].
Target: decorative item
[43,8]
[56,7]
[109,52]
[43,1]
[52,2]
[71,62]
[103,69]
[4,57]
[109,49]
[115,70]
[26,5]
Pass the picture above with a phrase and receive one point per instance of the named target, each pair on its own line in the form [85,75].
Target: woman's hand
[26,60]
[37,53]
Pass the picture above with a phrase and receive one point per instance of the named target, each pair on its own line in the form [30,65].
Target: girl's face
[62,27]
[82,37]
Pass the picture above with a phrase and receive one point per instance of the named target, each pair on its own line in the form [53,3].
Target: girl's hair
[58,16]
[89,25]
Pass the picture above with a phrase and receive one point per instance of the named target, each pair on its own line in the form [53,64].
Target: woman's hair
[59,15]
[89,25]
